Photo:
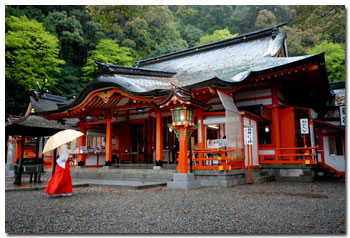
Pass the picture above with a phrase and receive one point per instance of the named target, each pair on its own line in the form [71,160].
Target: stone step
[325,174]
[221,182]
[329,177]
[123,174]
[262,179]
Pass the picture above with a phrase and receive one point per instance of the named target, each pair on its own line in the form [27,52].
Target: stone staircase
[258,176]
[215,178]
[325,174]
[206,177]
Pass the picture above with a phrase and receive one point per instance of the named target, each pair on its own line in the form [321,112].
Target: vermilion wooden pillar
[82,142]
[275,115]
[109,145]
[183,166]
[18,148]
[149,138]
[159,137]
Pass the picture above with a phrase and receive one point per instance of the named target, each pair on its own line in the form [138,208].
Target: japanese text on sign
[248,135]
[342,115]
[304,126]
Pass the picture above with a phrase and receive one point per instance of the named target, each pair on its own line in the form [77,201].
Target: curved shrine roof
[225,63]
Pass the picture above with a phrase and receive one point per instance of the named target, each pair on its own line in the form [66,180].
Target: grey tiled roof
[223,64]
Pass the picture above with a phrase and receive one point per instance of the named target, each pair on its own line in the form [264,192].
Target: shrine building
[233,104]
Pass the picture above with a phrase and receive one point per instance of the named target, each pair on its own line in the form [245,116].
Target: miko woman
[61,182]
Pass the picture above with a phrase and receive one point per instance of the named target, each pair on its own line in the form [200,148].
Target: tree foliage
[107,51]
[139,32]
[334,57]
[265,19]
[31,53]
[216,36]
[330,18]
[298,40]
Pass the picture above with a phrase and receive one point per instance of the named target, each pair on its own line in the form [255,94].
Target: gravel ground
[269,208]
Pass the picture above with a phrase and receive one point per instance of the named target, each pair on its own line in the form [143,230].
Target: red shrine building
[233,104]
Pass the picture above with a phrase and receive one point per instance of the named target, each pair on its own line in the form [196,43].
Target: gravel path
[273,207]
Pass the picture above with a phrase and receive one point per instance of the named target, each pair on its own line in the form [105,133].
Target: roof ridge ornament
[274,32]
[179,95]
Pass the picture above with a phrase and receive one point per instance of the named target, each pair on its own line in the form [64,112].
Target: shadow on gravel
[305,195]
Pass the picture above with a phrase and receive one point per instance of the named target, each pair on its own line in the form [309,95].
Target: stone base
[107,167]
[184,181]
[9,171]
[157,167]
[290,172]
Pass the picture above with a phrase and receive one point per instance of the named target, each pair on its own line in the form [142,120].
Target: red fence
[216,160]
[295,155]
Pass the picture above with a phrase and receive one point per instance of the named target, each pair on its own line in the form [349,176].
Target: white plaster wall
[266,152]
[253,94]
[334,161]
[215,104]
[215,119]
[92,160]
[216,107]
[267,101]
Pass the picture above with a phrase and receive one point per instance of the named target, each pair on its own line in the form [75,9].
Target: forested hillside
[61,43]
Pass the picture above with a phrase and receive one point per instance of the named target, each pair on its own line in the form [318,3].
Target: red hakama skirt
[61,181]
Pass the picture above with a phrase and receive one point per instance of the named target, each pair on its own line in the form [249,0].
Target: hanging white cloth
[63,156]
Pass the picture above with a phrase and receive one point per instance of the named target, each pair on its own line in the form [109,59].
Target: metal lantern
[179,114]
[182,115]
[182,105]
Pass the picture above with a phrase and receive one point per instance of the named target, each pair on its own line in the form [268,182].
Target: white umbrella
[61,138]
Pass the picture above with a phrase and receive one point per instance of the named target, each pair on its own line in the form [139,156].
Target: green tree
[191,34]
[206,18]
[243,19]
[298,40]
[330,18]
[112,19]
[265,19]
[138,36]
[168,47]
[216,36]
[334,57]
[31,52]
[69,82]
[107,51]
[162,26]
[69,32]
[31,55]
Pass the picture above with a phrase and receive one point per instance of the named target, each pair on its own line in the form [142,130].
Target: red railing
[224,162]
[295,155]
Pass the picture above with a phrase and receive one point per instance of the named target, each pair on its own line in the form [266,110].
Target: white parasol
[61,138]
